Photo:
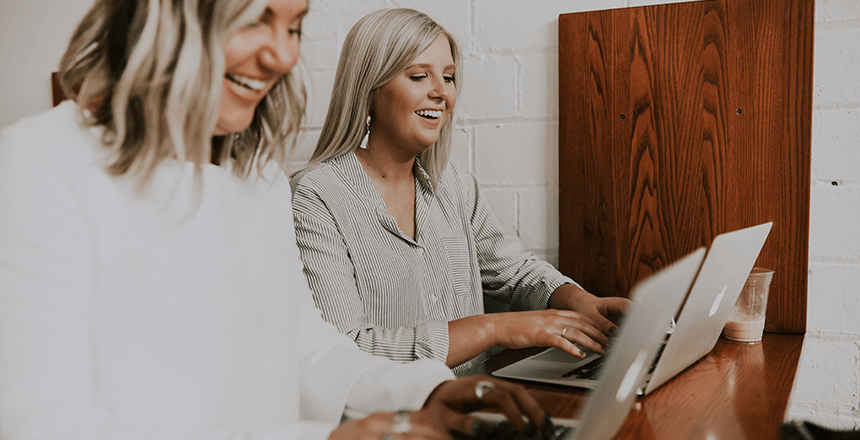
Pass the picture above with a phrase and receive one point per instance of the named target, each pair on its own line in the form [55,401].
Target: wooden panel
[738,391]
[680,122]
[57,93]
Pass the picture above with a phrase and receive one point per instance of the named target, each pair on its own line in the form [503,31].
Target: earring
[363,145]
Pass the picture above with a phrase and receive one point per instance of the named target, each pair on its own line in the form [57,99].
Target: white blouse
[164,313]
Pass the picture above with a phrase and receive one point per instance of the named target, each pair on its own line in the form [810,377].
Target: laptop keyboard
[589,370]
[657,358]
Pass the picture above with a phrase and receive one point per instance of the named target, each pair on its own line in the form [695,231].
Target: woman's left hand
[605,313]
[451,400]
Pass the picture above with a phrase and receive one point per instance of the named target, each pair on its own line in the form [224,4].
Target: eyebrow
[426,65]
[268,12]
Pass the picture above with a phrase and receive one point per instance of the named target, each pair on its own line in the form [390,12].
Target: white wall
[507,133]
[828,388]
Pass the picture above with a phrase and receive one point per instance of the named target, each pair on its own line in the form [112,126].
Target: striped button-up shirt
[394,295]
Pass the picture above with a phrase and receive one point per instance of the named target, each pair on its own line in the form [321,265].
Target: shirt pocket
[459,263]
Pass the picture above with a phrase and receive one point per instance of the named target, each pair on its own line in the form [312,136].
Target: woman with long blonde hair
[399,245]
[150,285]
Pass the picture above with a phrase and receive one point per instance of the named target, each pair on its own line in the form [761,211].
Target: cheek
[237,49]
[452,98]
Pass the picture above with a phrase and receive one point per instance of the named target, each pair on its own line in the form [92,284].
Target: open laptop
[730,259]
[655,301]
[699,323]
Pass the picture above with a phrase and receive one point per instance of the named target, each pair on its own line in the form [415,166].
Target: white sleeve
[46,276]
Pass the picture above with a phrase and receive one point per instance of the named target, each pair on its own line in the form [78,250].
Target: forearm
[568,297]
[469,337]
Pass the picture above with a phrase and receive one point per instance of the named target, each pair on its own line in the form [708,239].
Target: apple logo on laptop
[631,376]
[716,304]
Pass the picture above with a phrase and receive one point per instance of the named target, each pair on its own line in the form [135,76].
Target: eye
[296,28]
[450,79]
[418,77]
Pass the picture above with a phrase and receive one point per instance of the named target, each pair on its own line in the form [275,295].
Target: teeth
[248,83]
[435,114]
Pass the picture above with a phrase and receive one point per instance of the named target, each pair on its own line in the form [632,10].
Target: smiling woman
[409,112]
[150,284]
[255,58]
[106,62]
[399,245]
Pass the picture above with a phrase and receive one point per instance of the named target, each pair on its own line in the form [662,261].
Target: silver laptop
[655,302]
[730,259]
[699,324]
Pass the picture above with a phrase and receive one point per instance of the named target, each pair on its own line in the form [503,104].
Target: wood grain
[57,94]
[738,391]
[680,122]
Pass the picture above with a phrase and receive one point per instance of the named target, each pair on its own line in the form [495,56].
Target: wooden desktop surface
[738,391]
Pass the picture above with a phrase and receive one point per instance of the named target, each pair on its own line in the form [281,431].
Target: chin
[232,125]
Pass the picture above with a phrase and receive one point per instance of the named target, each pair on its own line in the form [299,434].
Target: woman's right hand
[424,425]
[548,328]
[447,409]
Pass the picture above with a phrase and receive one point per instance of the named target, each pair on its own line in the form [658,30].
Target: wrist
[492,328]
[568,296]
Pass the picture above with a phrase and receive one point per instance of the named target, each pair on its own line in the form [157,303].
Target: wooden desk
[738,391]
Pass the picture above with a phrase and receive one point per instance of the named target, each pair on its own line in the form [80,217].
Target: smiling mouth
[429,114]
[250,84]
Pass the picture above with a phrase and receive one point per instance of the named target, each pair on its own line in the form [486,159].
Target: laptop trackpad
[556,355]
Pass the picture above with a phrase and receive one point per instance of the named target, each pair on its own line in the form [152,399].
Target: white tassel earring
[363,145]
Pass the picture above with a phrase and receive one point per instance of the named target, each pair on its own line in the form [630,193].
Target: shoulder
[314,177]
[457,173]
[50,169]
[333,183]
[55,138]
[459,183]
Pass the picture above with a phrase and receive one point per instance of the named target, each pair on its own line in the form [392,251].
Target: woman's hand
[446,409]
[472,335]
[421,425]
[452,399]
[604,313]
[548,328]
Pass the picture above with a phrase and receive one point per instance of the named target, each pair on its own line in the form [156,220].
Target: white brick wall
[828,385]
[507,133]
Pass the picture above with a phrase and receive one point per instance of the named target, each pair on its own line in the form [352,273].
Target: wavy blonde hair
[377,49]
[150,72]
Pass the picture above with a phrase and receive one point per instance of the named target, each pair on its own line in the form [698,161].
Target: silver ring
[482,388]
[401,423]
[563,332]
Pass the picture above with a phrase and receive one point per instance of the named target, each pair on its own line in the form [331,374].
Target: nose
[440,88]
[282,51]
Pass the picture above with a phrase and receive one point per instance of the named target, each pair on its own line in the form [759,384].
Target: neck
[380,165]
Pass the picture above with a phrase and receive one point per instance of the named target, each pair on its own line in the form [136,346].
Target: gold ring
[563,332]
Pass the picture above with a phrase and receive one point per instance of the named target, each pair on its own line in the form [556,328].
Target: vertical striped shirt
[394,295]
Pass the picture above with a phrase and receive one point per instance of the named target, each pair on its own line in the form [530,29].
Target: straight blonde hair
[150,72]
[377,49]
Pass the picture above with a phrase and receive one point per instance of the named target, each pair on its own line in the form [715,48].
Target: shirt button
[420,251]
[433,299]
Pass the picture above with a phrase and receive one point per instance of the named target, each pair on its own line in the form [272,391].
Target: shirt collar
[423,177]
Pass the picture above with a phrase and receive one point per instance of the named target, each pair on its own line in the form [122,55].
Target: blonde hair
[377,49]
[150,72]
